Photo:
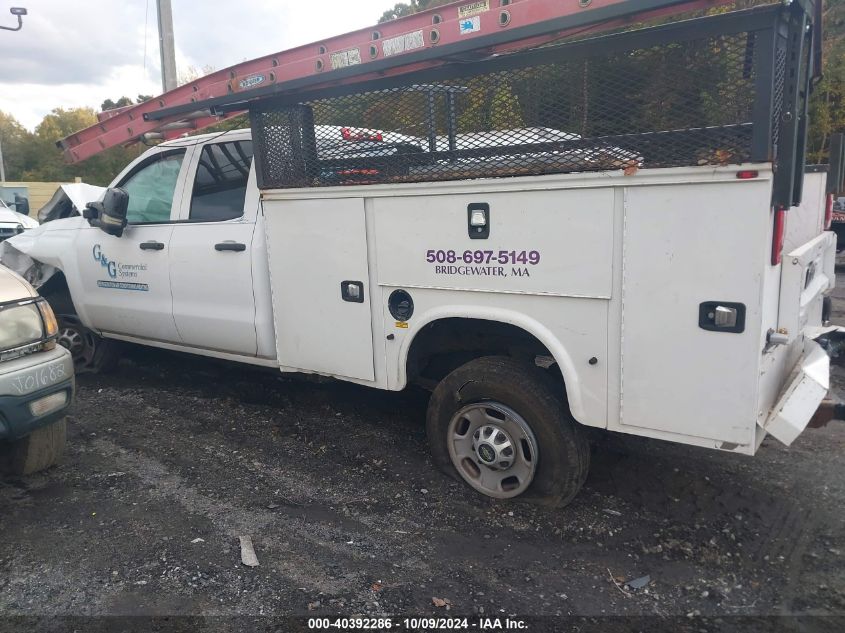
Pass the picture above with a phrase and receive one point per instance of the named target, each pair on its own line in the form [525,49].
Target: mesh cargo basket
[706,91]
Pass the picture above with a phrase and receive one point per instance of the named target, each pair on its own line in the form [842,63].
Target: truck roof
[202,138]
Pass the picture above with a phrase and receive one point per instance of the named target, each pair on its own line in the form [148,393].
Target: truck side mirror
[109,215]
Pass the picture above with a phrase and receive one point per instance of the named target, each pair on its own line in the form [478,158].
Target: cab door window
[220,183]
[151,186]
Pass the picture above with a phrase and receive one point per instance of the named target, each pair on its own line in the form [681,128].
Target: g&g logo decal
[121,271]
[105,262]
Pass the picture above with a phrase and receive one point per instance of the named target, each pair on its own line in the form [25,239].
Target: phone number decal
[483,257]
[483,263]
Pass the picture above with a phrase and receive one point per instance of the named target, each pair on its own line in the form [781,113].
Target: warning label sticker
[403,43]
[469,25]
[474,8]
[346,58]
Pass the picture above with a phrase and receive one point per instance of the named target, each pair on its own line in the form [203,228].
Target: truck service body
[625,290]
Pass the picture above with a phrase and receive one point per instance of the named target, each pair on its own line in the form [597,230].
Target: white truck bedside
[545,248]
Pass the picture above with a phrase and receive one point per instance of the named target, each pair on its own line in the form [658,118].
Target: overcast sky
[80,52]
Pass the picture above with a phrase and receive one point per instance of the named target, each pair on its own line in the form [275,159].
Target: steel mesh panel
[679,104]
[285,142]
[777,93]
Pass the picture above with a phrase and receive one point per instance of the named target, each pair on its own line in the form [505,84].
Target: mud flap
[809,383]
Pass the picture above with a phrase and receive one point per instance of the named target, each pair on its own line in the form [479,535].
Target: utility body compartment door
[685,246]
[313,247]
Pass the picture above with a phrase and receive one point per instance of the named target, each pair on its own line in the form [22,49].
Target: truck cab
[188,271]
[183,272]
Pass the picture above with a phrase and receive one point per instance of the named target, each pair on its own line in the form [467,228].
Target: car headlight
[51,325]
[26,326]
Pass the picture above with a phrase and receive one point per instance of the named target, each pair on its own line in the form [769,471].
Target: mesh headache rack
[725,89]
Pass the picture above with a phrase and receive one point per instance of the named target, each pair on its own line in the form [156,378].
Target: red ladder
[423,40]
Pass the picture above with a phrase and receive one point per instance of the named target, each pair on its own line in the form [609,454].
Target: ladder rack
[432,38]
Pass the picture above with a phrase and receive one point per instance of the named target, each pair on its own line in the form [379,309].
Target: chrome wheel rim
[493,449]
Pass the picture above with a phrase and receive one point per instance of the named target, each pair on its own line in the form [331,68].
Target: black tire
[563,450]
[37,451]
[91,353]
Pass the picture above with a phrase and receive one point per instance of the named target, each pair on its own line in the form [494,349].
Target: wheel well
[444,345]
[55,290]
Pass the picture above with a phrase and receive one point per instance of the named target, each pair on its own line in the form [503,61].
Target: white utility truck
[581,234]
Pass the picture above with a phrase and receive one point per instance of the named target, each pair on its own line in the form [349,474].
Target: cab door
[211,255]
[126,280]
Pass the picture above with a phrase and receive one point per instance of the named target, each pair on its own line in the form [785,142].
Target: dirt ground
[171,458]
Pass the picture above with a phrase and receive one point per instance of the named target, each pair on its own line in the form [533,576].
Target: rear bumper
[805,389]
[807,277]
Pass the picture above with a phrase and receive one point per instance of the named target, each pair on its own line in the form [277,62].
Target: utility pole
[18,12]
[166,45]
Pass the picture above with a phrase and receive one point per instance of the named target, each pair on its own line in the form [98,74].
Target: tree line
[33,155]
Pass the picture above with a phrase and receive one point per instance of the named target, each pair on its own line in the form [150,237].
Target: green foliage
[827,105]
[108,104]
[15,140]
[498,110]
[401,9]
[34,156]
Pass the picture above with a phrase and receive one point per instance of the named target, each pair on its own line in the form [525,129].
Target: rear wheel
[498,425]
[39,450]
[90,352]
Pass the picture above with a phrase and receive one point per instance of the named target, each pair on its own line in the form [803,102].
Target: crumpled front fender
[35,272]
[38,253]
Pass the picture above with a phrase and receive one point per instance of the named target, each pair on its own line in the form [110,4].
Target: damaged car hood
[69,200]
[8,216]
[36,254]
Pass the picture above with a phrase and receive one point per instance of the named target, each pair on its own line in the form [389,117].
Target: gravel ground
[171,458]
